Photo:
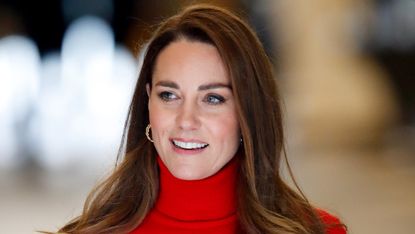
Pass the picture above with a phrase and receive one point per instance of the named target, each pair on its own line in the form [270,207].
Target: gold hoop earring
[148,133]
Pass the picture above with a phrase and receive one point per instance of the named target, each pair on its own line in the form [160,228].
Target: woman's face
[192,110]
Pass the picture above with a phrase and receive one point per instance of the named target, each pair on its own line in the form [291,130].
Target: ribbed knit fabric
[206,206]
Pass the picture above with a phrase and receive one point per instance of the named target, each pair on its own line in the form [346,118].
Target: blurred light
[19,78]
[46,127]
[84,104]
[87,46]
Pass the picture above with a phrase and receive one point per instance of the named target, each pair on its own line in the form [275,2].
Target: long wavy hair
[266,204]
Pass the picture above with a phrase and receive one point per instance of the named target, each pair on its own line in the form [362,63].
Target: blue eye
[167,96]
[214,99]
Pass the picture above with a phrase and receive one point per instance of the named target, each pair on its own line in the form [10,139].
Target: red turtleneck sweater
[200,206]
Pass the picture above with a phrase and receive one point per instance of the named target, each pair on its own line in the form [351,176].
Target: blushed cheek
[162,121]
[226,131]
[157,134]
[156,117]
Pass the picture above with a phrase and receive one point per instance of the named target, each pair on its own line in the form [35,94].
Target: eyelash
[167,96]
[219,99]
[164,96]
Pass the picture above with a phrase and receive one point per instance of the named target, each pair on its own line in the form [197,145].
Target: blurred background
[345,69]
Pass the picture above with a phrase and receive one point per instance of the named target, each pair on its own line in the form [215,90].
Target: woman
[204,140]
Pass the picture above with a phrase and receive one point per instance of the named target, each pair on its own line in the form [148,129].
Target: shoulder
[333,224]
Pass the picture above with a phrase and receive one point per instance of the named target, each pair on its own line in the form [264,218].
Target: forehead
[190,61]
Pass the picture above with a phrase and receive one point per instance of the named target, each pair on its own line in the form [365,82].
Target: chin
[185,173]
[188,175]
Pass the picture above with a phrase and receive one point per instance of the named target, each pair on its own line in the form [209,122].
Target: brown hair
[266,203]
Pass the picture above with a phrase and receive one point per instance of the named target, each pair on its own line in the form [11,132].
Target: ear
[148,89]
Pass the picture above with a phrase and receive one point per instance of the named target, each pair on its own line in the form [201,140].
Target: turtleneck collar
[211,198]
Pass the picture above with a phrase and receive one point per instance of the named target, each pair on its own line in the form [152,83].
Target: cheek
[225,130]
[158,119]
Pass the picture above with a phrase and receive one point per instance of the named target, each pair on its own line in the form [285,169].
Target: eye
[167,96]
[214,99]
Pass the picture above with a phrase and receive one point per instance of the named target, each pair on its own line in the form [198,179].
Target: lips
[190,145]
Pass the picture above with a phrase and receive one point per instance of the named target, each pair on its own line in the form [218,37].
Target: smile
[189,145]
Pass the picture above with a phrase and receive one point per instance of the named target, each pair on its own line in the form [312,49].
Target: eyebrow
[214,86]
[171,84]
[168,84]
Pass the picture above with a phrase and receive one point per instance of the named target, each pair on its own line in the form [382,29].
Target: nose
[188,117]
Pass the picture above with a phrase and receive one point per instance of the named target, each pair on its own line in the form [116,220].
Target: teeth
[189,145]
